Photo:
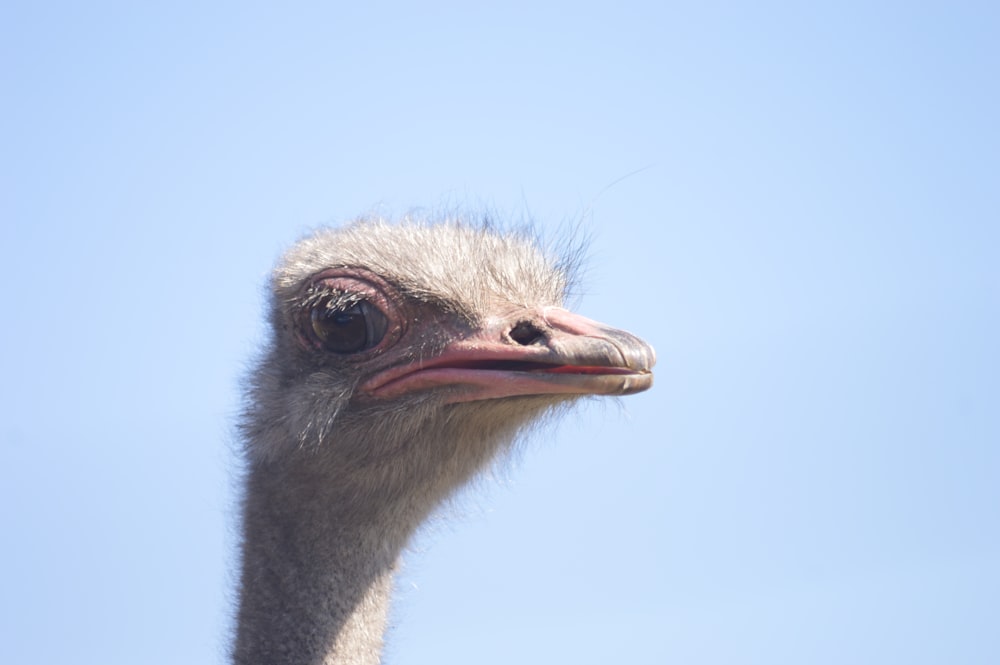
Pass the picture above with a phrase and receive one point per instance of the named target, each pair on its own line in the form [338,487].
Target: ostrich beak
[544,351]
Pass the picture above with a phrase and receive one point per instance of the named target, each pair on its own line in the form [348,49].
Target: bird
[403,358]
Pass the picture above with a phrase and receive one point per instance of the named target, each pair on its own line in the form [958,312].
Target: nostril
[526,333]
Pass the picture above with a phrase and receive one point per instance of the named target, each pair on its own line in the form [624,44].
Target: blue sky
[797,204]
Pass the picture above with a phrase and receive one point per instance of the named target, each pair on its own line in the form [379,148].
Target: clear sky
[797,204]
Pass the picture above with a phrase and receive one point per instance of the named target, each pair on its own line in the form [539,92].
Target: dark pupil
[341,331]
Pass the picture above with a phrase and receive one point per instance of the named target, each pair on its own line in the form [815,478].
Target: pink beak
[545,351]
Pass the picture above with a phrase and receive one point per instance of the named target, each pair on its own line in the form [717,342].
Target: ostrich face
[388,326]
[355,317]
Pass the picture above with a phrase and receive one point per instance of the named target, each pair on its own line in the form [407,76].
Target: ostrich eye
[348,329]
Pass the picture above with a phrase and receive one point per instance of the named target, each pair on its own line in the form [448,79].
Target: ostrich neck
[323,529]
[317,572]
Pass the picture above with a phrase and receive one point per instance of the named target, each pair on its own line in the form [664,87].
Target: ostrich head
[403,359]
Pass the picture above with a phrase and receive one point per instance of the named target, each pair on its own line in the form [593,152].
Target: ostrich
[403,359]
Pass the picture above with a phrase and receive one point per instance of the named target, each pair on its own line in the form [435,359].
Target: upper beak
[544,351]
